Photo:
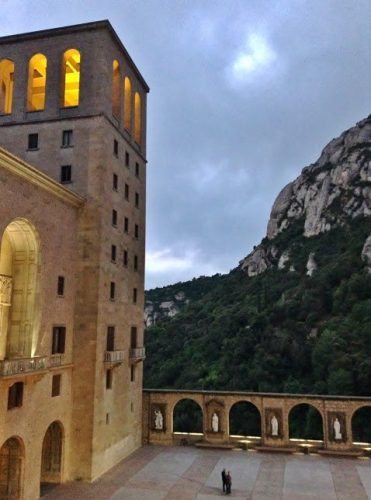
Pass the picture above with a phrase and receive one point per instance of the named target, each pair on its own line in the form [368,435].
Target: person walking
[224,480]
[229,482]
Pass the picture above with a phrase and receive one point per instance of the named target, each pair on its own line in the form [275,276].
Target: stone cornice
[22,169]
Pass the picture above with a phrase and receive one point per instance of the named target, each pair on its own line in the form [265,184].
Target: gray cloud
[244,94]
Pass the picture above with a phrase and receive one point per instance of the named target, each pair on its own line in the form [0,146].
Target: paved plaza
[187,473]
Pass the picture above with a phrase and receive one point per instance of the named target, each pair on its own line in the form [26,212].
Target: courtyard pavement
[187,473]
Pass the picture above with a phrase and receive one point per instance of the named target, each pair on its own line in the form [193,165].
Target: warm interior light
[71,79]
[127,104]
[137,118]
[36,89]
[6,85]
[116,88]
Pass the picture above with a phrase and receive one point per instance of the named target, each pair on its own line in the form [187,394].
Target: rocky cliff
[336,188]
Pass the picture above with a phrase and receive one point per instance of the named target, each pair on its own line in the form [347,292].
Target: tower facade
[73,105]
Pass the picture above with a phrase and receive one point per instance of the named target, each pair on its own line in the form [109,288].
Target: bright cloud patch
[165,261]
[256,57]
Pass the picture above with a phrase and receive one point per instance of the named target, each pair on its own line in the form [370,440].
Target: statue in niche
[337,429]
[159,420]
[215,422]
[274,426]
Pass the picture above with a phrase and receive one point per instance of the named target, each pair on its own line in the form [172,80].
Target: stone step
[274,449]
[223,446]
[341,453]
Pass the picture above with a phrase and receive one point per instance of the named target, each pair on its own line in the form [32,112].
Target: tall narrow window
[135,262]
[126,192]
[136,169]
[115,182]
[66,174]
[137,200]
[127,159]
[109,379]
[135,295]
[112,290]
[6,85]
[114,218]
[133,337]
[56,385]
[116,89]
[36,89]
[59,339]
[67,138]
[33,141]
[113,253]
[127,104]
[15,395]
[60,286]
[136,231]
[110,338]
[71,78]
[126,225]
[137,119]
[125,259]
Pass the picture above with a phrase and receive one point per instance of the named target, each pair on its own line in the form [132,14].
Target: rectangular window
[126,191]
[33,141]
[133,337]
[15,395]
[112,290]
[115,147]
[109,379]
[110,338]
[60,286]
[67,138]
[125,260]
[132,373]
[59,339]
[136,231]
[137,200]
[114,218]
[107,418]
[136,169]
[135,262]
[127,159]
[56,385]
[113,253]
[115,182]
[66,174]
[126,225]
[135,295]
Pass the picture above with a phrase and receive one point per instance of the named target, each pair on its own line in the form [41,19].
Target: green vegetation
[281,331]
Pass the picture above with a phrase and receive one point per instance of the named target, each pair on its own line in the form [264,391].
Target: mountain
[295,314]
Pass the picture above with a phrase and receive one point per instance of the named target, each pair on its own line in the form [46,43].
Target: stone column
[5,303]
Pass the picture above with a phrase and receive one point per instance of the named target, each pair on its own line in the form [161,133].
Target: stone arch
[11,469]
[127,103]
[36,87]
[52,454]
[137,118]
[7,69]
[116,94]
[305,421]
[245,419]
[71,78]
[19,290]
[187,416]
[360,421]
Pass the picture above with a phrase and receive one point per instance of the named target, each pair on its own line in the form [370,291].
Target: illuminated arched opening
[305,422]
[187,416]
[19,295]
[36,88]
[116,89]
[52,452]
[244,420]
[127,103]
[361,425]
[6,85]
[71,78]
[137,118]
[11,460]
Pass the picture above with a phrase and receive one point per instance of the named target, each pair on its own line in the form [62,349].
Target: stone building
[72,233]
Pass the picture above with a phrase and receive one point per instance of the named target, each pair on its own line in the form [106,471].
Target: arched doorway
[187,416]
[11,468]
[52,451]
[19,294]
[305,422]
[361,425]
[244,420]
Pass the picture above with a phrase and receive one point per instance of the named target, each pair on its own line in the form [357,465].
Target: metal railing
[137,354]
[56,360]
[114,356]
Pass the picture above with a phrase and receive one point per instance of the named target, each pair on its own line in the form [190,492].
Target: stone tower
[73,105]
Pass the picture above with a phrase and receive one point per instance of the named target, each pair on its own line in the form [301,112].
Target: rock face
[336,188]
[366,252]
[153,311]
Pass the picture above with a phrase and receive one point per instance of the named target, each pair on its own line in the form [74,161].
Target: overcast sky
[244,94]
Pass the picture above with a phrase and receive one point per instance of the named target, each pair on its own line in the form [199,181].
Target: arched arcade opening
[52,452]
[361,425]
[244,420]
[305,423]
[11,469]
[187,417]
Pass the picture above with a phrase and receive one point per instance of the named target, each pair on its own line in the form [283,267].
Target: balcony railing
[114,356]
[56,360]
[137,354]
[26,365]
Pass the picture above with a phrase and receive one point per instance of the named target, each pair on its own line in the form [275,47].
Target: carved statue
[337,429]
[274,425]
[215,422]
[159,420]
